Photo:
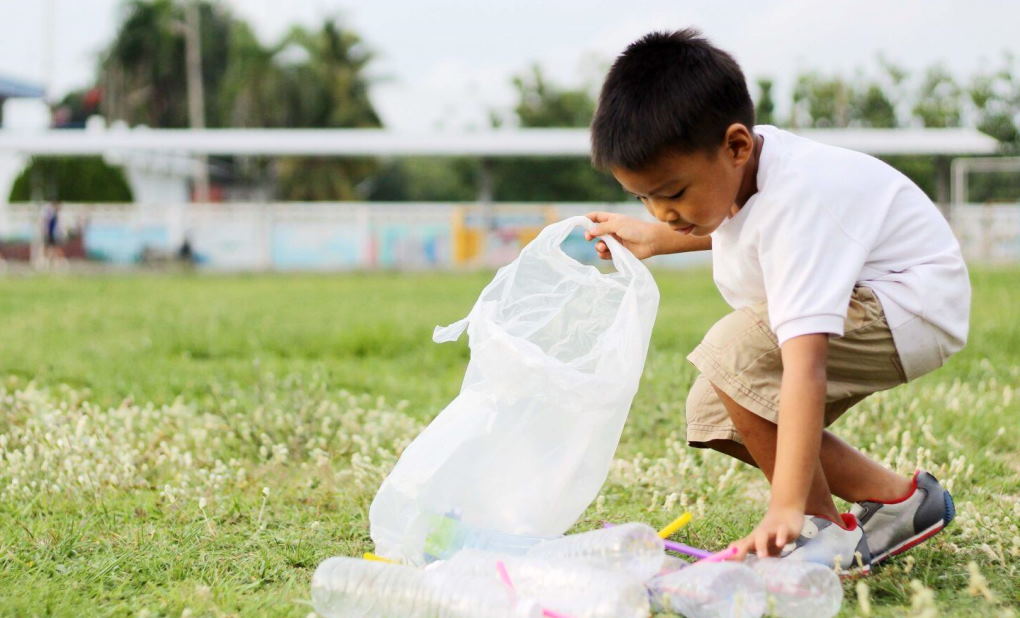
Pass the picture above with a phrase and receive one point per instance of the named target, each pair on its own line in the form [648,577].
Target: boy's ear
[738,143]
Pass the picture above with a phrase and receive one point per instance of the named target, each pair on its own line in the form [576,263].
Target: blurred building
[16,89]
[20,106]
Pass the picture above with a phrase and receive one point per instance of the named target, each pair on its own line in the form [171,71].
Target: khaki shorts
[741,356]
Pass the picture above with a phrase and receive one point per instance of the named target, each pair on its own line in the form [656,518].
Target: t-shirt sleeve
[810,265]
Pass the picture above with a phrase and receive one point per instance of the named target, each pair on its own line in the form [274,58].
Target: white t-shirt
[825,219]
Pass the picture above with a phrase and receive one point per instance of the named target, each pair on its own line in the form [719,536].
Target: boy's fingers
[761,543]
[781,537]
[741,547]
[599,230]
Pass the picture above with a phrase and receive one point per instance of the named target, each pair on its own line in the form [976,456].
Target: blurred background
[341,135]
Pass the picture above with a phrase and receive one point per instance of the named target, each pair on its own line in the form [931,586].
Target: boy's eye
[639,198]
[677,196]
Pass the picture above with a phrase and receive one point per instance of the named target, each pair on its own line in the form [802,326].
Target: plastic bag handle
[553,236]
[451,332]
[548,241]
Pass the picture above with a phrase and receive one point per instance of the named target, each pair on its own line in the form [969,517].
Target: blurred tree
[426,180]
[142,73]
[327,88]
[252,84]
[765,107]
[996,99]
[872,108]
[542,104]
[939,101]
[833,102]
[995,96]
[820,101]
[893,80]
[70,179]
[312,78]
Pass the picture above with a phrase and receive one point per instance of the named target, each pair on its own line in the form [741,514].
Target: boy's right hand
[640,237]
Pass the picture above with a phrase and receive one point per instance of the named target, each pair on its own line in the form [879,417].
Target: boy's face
[694,193]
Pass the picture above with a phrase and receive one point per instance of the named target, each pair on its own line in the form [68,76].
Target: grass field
[192,445]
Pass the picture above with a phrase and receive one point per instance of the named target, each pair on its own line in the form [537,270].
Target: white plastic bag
[557,351]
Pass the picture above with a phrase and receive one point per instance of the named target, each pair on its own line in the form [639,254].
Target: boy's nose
[664,213]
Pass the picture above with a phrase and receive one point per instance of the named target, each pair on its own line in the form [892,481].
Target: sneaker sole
[926,534]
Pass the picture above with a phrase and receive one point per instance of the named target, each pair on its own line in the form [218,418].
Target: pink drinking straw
[720,556]
[505,576]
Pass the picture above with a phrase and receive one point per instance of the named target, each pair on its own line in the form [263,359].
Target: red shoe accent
[849,521]
[913,488]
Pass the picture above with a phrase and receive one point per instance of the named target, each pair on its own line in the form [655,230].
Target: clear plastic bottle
[570,588]
[635,548]
[447,535]
[349,588]
[799,589]
[710,590]
[671,564]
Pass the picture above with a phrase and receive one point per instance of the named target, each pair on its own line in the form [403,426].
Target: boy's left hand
[777,528]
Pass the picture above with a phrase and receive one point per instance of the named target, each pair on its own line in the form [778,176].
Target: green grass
[198,444]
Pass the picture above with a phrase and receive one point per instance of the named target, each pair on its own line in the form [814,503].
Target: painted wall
[404,236]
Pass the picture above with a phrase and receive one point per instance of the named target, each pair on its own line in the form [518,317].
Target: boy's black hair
[668,90]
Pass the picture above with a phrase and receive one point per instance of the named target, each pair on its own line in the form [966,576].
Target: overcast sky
[445,63]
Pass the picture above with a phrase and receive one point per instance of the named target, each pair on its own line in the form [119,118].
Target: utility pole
[50,19]
[196,96]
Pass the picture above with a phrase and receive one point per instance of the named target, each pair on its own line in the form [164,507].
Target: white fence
[347,236]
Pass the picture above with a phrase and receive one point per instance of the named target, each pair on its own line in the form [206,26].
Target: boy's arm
[801,412]
[643,238]
[669,241]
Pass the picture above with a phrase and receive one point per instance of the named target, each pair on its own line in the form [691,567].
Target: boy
[843,276]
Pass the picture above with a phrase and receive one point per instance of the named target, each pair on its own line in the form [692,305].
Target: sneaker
[894,527]
[841,547]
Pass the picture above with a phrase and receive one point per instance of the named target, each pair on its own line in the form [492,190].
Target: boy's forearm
[668,241]
[801,413]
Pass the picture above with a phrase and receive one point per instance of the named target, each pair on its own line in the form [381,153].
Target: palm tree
[142,73]
[328,89]
[312,78]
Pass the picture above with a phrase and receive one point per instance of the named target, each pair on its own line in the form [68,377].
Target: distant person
[186,253]
[844,279]
[52,251]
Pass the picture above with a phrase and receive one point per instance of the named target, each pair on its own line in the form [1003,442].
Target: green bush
[71,179]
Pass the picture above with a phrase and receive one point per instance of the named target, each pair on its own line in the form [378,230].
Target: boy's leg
[851,475]
[841,469]
[741,356]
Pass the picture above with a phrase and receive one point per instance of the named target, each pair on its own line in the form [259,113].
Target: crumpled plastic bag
[557,351]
